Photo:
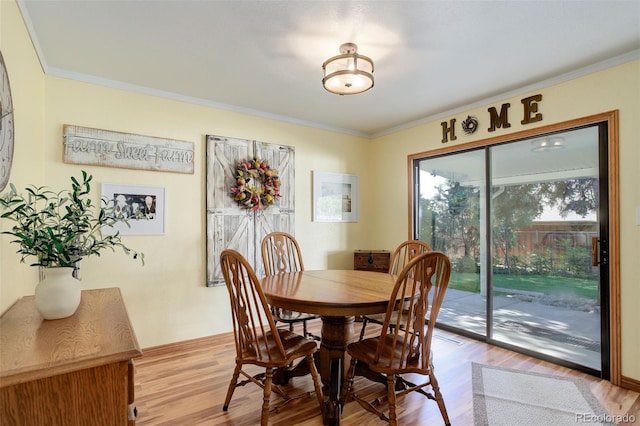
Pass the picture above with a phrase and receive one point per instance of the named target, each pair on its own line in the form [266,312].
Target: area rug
[510,397]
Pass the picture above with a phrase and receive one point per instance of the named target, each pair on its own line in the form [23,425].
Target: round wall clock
[6,125]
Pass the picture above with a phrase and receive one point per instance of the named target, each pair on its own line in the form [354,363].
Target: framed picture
[142,205]
[335,197]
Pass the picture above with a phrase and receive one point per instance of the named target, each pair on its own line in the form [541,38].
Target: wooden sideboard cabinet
[72,371]
[371,260]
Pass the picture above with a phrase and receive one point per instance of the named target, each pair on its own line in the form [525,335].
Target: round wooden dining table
[338,296]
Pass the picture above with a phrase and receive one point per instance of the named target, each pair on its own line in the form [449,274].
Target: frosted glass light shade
[348,73]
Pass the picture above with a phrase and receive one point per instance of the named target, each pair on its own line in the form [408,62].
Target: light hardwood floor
[185,384]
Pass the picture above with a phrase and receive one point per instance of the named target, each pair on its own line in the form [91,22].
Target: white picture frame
[335,197]
[135,201]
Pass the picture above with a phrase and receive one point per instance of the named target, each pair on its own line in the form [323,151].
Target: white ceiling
[264,57]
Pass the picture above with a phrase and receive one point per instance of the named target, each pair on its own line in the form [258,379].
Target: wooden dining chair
[258,341]
[405,348]
[281,253]
[402,255]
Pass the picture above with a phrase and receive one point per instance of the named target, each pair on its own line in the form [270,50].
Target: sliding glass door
[451,218]
[521,223]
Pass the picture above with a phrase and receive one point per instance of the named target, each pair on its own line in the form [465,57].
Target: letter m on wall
[499,120]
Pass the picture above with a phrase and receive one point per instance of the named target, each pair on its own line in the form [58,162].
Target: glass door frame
[612,237]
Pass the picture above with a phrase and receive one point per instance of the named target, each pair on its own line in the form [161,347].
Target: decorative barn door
[228,225]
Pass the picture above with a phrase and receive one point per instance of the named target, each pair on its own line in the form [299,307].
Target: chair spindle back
[422,285]
[281,253]
[404,253]
[253,325]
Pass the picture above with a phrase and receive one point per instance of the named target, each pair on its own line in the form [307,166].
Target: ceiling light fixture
[547,144]
[348,73]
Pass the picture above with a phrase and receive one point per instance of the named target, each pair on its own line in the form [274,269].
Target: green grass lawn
[538,283]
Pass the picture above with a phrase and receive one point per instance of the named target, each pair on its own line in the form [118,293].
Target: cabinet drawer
[371,260]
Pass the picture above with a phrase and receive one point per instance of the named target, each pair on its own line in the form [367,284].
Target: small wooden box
[371,260]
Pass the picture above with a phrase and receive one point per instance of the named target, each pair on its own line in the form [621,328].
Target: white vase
[58,294]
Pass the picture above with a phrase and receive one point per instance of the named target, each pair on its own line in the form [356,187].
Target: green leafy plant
[61,228]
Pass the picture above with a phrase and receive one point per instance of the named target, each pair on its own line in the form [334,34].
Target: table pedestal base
[337,333]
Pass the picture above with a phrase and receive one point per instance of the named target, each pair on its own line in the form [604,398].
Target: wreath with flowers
[257,186]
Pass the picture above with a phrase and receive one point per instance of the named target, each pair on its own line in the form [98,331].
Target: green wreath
[264,190]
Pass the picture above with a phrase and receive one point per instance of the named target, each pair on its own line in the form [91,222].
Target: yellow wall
[166,299]
[27,86]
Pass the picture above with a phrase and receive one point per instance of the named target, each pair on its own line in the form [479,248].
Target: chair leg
[316,380]
[364,325]
[264,419]
[304,329]
[347,387]
[391,399]
[438,397]
[232,386]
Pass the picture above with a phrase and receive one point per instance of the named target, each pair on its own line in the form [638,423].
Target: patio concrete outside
[534,323]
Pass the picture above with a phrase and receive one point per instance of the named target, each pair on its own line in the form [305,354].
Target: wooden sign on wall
[83,145]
